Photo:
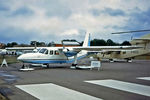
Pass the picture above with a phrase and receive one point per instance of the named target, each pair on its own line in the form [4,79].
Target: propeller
[68,52]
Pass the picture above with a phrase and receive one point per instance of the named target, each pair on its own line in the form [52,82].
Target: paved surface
[114,81]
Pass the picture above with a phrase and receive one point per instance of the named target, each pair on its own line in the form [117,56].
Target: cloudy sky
[53,20]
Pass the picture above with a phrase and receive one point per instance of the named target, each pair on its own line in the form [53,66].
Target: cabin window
[124,52]
[51,52]
[56,53]
[118,52]
[43,50]
[108,53]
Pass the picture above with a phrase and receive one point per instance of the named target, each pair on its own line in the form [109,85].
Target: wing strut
[74,65]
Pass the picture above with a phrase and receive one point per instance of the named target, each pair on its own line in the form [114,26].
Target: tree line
[94,42]
[109,42]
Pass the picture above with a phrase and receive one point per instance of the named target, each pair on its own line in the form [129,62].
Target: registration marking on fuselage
[144,78]
[54,92]
[124,86]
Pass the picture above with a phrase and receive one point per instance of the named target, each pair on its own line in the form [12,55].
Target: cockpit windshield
[43,50]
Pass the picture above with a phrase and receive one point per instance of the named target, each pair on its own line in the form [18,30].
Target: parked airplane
[21,50]
[128,55]
[3,51]
[47,55]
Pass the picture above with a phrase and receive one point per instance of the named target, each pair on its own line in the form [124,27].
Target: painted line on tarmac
[124,86]
[54,92]
[144,78]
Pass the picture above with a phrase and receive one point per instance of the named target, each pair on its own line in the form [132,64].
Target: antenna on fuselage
[62,44]
[34,44]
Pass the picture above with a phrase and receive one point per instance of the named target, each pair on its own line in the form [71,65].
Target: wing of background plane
[106,48]
[142,39]
[20,48]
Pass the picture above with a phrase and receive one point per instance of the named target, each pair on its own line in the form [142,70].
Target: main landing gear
[74,65]
[129,60]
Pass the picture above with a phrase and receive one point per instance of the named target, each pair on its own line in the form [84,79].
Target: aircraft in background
[21,50]
[3,51]
[128,55]
[47,55]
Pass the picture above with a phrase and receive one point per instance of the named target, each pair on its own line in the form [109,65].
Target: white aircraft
[47,55]
[3,51]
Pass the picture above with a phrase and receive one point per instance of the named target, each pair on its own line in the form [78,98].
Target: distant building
[69,45]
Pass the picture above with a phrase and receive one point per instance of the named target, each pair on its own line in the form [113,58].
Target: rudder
[86,40]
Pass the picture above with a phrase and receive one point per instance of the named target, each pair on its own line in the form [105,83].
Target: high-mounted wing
[106,48]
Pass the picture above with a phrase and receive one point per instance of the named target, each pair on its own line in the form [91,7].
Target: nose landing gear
[26,68]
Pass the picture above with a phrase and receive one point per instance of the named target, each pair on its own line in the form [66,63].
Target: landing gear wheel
[23,66]
[111,60]
[47,65]
[129,60]
[74,66]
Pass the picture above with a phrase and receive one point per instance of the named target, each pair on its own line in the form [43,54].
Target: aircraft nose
[20,57]
[24,56]
[27,56]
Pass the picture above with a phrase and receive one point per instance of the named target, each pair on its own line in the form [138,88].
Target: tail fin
[144,39]
[147,36]
[87,40]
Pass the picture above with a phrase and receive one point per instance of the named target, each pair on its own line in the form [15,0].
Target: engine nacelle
[69,53]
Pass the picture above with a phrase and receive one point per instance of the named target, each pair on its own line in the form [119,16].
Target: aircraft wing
[20,48]
[106,48]
[144,39]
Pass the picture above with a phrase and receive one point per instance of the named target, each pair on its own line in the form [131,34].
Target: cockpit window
[44,51]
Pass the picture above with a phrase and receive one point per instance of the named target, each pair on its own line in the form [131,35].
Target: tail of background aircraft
[86,40]
[147,36]
[143,41]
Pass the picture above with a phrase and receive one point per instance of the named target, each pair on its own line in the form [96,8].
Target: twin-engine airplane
[47,55]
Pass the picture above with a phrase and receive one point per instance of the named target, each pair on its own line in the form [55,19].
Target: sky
[23,21]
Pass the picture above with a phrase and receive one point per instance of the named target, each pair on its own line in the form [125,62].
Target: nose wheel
[47,65]
[25,68]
